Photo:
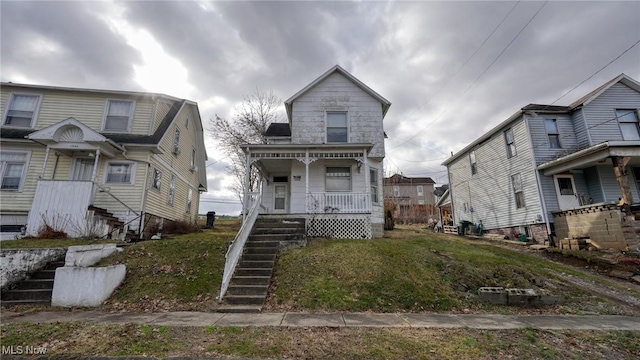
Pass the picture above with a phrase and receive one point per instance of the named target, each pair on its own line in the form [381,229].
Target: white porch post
[95,165]
[365,162]
[247,182]
[306,181]
[44,164]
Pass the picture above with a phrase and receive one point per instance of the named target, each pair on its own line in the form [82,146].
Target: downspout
[145,190]
[543,204]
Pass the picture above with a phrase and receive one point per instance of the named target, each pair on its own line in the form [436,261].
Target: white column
[367,182]
[247,182]
[44,164]
[96,162]
[306,180]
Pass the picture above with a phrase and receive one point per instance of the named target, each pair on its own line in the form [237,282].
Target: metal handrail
[106,191]
[237,246]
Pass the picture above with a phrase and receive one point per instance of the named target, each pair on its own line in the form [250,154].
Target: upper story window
[186,123]
[552,132]
[176,142]
[193,160]
[472,160]
[516,182]
[373,179]
[189,200]
[21,110]
[337,127]
[157,179]
[396,191]
[13,168]
[338,178]
[120,173]
[510,142]
[628,119]
[118,115]
[420,190]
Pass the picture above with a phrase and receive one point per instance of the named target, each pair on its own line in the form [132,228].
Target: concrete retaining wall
[17,264]
[87,255]
[80,286]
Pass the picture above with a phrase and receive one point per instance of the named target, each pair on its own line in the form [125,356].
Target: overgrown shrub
[48,232]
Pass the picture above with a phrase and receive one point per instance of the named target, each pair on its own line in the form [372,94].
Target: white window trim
[133,172]
[189,203]
[25,170]
[194,160]
[35,112]
[375,198]
[104,116]
[420,190]
[350,179]
[326,125]
[153,179]
[175,148]
[396,191]
[74,164]
[635,112]
[173,183]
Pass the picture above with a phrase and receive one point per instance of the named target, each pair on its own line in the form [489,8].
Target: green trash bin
[522,237]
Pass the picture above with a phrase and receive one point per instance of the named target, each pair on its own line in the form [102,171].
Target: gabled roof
[401,179]
[385,103]
[537,108]
[623,78]
[278,130]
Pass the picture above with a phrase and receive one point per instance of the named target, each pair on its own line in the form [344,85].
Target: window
[157,179]
[172,189]
[82,169]
[119,173]
[118,115]
[516,182]
[510,142]
[189,198]
[420,190]
[338,179]
[186,123]
[13,167]
[176,142]
[373,179]
[193,160]
[396,191]
[337,127]
[21,110]
[628,120]
[552,131]
[472,160]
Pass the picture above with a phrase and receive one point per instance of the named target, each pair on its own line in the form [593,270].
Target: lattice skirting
[351,226]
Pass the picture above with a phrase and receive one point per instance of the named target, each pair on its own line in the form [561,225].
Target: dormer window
[118,115]
[337,127]
[21,110]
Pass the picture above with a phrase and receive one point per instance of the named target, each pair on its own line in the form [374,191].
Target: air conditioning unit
[193,168]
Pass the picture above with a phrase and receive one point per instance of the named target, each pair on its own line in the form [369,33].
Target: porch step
[259,256]
[44,274]
[253,272]
[245,299]
[255,264]
[259,250]
[251,280]
[30,284]
[10,303]
[35,290]
[276,230]
[275,237]
[27,294]
[247,290]
[263,244]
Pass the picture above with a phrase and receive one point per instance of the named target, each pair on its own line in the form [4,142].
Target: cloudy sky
[452,70]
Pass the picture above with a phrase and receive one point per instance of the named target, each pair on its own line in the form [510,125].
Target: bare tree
[248,125]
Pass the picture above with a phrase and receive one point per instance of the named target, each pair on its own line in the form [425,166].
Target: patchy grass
[180,273]
[33,243]
[75,339]
[414,270]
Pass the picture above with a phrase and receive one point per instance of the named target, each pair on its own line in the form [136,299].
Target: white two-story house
[325,164]
[567,171]
[97,162]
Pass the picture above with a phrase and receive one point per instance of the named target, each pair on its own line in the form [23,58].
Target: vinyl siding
[580,128]
[162,109]
[20,201]
[489,192]
[592,176]
[85,107]
[600,113]
[337,93]
[540,138]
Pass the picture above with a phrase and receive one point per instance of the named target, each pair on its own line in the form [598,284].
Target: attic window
[337,129]
[21,110]
[118,115]
[472,160]
[510,142]
[552,131]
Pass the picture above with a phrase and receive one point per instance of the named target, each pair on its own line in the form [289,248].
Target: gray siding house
[562,171]
[325,164]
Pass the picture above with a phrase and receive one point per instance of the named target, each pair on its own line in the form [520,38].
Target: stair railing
[235,249]
[106,191]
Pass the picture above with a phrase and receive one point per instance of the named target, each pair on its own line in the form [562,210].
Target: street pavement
[336,320]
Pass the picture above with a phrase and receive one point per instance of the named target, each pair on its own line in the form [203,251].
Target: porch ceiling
[596,155]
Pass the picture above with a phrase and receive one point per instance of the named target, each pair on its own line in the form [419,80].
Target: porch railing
[336,202]
[235,249]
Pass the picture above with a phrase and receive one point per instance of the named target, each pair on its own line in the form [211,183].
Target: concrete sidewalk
[337,320]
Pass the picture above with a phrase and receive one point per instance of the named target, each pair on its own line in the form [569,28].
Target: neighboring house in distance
[325,164]
[93,161]
[556,169]
[411,197]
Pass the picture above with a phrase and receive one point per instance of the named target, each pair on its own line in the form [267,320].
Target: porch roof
[594,155]
[296,148]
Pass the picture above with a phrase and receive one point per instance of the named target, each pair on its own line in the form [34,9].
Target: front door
[566,192]
[82,169]
[280,198]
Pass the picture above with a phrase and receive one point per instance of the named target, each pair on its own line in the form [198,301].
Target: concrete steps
[249,285]
[35,290]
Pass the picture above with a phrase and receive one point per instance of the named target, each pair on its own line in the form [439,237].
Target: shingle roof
[401,179]
[278,129]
